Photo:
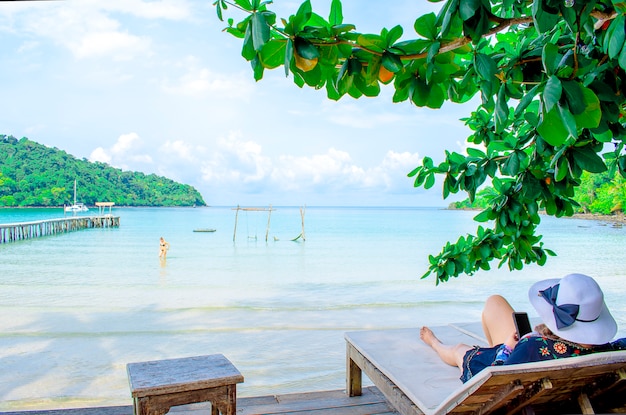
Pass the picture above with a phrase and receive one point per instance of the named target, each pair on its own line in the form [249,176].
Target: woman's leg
[497,320]
[452,355]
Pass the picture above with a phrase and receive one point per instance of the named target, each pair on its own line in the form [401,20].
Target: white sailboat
[76,207]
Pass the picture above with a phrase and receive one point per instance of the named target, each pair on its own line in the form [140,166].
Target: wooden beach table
[158,385]
[416,382]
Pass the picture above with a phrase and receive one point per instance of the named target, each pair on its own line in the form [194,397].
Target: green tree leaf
[244,4]
[552,92]
[552,128]
[391,62]
[436,97]
[592,114]
[544,20]
[449,11]
[502,110]
[468,8]
[430,181]
[302,16]
[336,13]
[425,26]
[569,122]
[372,42]
[622,58]
[260,31]
[273,54]
[306,49]
[614,37]
[288,55]
[512,165]
[394,35]
[587,159]
[550,58]
[574,96]
[485,66]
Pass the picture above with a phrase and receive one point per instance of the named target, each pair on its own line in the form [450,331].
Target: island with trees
[33,175]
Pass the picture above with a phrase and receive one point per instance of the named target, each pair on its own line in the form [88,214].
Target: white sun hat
[573,308]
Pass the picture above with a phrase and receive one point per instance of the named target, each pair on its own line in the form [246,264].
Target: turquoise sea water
[76,308]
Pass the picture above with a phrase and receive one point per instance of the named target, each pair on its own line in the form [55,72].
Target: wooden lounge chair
[416,382]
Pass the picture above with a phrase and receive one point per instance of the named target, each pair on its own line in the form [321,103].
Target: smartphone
[522,324]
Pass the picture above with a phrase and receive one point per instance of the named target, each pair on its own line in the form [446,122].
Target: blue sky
[156,86]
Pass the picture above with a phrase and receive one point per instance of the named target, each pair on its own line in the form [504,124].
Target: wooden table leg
[354,375]
[148,406]
[226,403]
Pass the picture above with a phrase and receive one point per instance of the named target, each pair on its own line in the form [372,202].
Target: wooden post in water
[267,229]
[302,211]
[236,218]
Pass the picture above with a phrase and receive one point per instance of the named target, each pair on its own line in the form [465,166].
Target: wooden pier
[372,402]
[13,232]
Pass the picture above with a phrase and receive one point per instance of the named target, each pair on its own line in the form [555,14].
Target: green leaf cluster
[32,174]
[600,194]
[550,76]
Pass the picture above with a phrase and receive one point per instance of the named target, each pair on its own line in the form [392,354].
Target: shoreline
[618,218]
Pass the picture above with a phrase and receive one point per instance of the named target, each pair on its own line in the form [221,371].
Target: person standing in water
[164,246]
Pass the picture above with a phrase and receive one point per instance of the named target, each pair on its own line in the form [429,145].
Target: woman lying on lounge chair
[575,319]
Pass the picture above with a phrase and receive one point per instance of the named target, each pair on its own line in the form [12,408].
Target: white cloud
[88,33]
[319,169]
[125,142]
[356,115]
[128,149]
[237,161]
[201,81]
[117,45]
[88,28]
[141,158]
[179,148]
[101,155]
[337,170]
[164,9]
[27,46]
[395,160]
[241,164]
[392,172]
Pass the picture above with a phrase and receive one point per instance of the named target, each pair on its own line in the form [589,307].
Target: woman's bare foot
[451,354]
[428,336]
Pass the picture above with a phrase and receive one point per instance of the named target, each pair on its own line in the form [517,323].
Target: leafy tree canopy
[549,74]
[32,174]
[600,194]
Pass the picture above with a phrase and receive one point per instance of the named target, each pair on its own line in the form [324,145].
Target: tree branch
[462,41]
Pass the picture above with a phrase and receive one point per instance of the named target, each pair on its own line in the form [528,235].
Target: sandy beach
[618,218]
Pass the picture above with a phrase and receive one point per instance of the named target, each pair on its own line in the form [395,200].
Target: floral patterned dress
[531,348]
[534,348]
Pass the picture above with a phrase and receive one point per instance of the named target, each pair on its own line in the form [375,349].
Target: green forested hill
[32,174]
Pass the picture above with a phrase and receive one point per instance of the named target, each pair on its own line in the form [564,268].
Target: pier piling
[13,232]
